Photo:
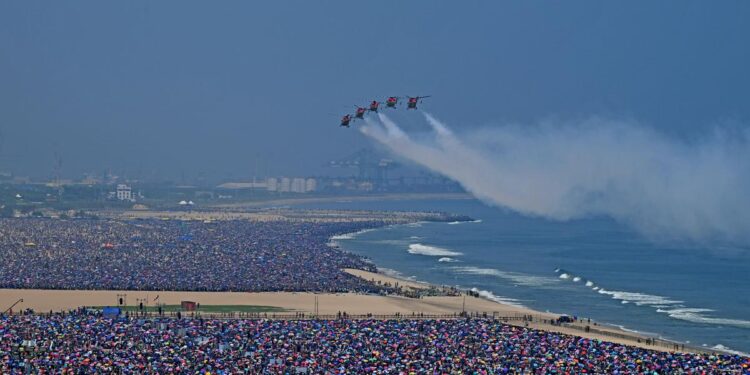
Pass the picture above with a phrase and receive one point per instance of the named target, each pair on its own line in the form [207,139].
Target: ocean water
[595,268]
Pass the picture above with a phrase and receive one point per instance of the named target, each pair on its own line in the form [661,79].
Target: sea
[593,268]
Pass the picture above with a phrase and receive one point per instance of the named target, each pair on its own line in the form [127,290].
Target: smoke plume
[664,188]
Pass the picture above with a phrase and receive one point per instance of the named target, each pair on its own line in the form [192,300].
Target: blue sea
[595,268]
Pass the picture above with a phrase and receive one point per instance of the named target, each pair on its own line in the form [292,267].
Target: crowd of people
[233,255]
[85,342]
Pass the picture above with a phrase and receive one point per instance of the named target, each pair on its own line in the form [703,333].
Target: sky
[226,90]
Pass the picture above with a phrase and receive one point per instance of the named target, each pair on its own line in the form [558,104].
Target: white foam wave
[349,236]
[589,283]
[463,222]
[420,249]
[447,260]
[683,310]
[564,276]
[639,299]
[621,327]
[499,299]
[516,278]
[576,279]
[725,349]
[696,315]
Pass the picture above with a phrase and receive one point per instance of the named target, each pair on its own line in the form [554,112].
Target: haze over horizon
[162,89]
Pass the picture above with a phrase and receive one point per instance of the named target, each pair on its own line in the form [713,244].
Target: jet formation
[391,102]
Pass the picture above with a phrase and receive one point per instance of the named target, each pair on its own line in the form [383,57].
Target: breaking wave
[493,297]
[639,299]
[566,275]
[672,307]
[420,249]
[696,315]
[728,350]
[516,278]
[350,236]
[463,222]
[447,260]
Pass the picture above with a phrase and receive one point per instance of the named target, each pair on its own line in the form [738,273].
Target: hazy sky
[158,88]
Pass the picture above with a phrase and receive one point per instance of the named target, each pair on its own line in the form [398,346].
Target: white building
[293,185]
[311,185]
[286,185]
[124,193]
[272,184]
[298,185]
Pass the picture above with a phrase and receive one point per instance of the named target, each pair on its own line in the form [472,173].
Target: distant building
[272,184]
[90,179]
[286,185]
[124,193]
[298,185]
[243,185]
[311,185]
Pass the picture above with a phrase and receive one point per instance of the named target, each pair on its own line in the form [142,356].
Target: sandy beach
[328,304]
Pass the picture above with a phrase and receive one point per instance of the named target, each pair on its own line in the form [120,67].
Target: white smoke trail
[662,187]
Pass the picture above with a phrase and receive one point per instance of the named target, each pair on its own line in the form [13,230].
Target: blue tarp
[111,311]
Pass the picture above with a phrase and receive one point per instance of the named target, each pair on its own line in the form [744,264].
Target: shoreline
[391,306]
[540,320]
[577,329]
[359,306]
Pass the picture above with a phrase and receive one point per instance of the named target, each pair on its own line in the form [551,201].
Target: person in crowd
[86,342]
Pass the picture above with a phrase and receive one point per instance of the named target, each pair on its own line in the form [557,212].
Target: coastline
[540,320]
[330,304]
